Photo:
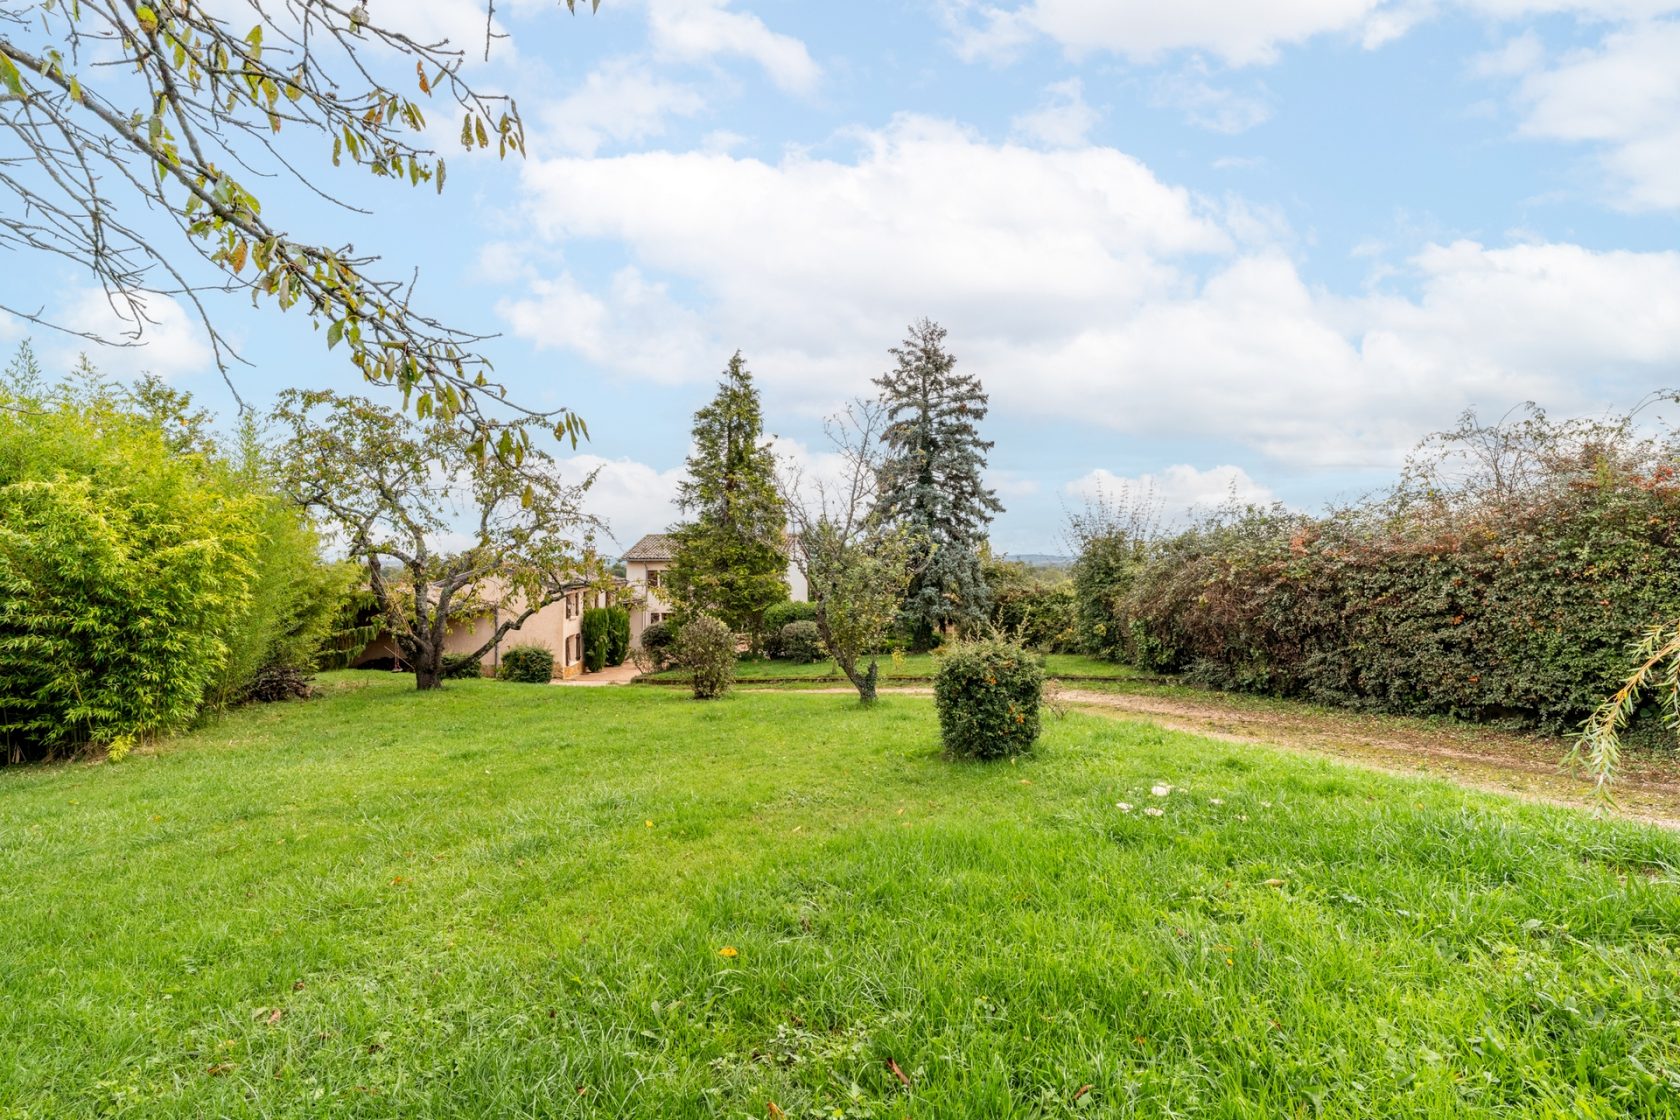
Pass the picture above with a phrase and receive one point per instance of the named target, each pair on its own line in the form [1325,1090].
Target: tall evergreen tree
[731,558]
[931,481]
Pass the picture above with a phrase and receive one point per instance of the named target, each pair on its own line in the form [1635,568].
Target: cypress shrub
[618,635]
[597,637]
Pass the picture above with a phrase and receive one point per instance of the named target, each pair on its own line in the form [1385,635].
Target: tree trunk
[921,636]
[428,668]
[866,687]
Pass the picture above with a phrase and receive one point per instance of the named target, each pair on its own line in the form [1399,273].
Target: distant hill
[1042,559]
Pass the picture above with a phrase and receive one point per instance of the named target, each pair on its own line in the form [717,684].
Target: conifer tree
[932,482]
[731,558]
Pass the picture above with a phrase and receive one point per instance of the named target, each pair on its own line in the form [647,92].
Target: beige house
[558,626]
[645,566]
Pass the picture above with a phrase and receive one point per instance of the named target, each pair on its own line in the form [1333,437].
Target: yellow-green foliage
[140,573]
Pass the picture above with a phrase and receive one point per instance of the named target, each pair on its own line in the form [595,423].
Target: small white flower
[1265,804]
[1242,816]
[1161,789]
[1216,801]
[1154,812]
[1123,806]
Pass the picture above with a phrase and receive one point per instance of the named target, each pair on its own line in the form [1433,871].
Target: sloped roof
[654,546]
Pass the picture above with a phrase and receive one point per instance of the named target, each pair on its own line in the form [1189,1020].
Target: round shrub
[801,642]
[659,640]
[706,648]
[988,695]
[778,615]
[527,665]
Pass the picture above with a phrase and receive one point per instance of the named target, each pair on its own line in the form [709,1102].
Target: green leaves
[9,76]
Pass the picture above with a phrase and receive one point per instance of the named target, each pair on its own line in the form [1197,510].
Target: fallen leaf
[297,986]
[729,951]
[219,1069]
[776,1112]
[898,1073]
[1083,1089]
[1274,882]
[279,1014]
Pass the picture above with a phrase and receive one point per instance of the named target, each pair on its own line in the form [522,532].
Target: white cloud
[1205,105]
[1624,97]
[166,341]
[1062,119]
[1239,32]
[621,100]
[633,327]
[1515,57]
[1176,490]
[699,30]
[631,497]
[1114,299]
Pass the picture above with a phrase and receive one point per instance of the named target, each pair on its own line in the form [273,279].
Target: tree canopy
[732,556]
[856,566]
[118,110]
[932,481]
[391,488]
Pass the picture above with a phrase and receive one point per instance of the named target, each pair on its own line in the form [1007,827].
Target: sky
[1204,248]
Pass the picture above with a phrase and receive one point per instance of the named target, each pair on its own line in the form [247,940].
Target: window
[653,578]
[571,606]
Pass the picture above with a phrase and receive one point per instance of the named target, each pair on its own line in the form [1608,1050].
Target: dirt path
[1529,766]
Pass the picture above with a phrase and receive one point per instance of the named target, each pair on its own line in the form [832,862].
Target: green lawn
[517,901]
[910,666]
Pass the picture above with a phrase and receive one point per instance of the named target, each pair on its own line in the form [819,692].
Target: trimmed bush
[659,639]
[801,642]
[597,636]
[527,664]
[706,648]
[618,635]
[459,667]
[778,615]
[988,696]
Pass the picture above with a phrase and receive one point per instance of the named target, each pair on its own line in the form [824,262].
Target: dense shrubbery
[145,571]
[618,635]
[1032,606]
[596,631]
[659,642]
[527,664]
[779,617]
[801,642]
[988,696]
[706,648]
[1504,578]
[462,667]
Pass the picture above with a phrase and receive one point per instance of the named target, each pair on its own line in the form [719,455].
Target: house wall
[558,626]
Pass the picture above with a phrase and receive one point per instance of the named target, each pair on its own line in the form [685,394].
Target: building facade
[645,568]
[558,626]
